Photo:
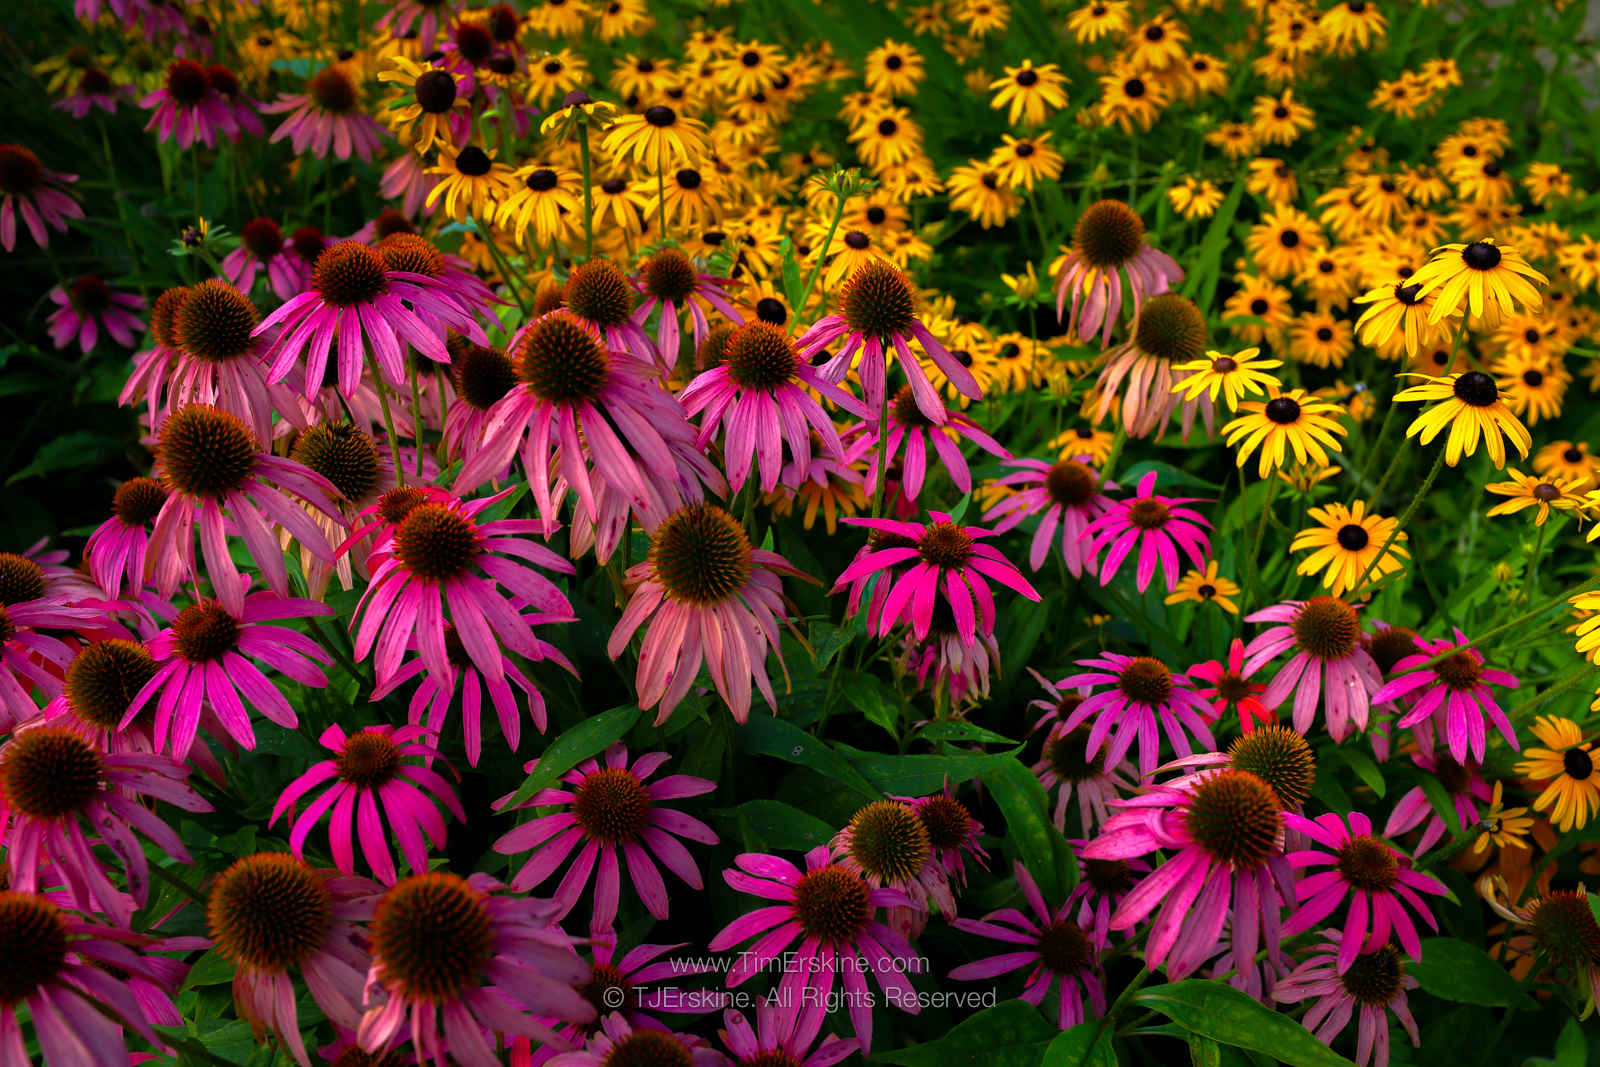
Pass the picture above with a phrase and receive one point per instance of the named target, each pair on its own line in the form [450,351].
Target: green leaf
[68,450]
[1571,1048]
[210,969]
[780,826]
[873,699]
[1204,280]
[1366,770]
[917,774]
[1230,1017]
[955,730]
[1456,971]
[827,641]
[791,274]
[786,741]
[1085,1045]
[1010,1034]
[1022,801]
[1203,1052]
[589,738]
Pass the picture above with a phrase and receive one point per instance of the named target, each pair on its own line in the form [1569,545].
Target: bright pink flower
[619,1042]
[185,109]
[913,434]
[38,195]
[776,1039]
[1378,880]
[117,552]
[457,952]
[611,810]
[262,247]
[88,306]
[950,570]
[1329,663]
[438,553]
[1154,524]
[1068,495]
[1056,951]
[1341,992]
[403,16]
[1102,885]
[68,992]
[1461,782]
[832,912]
[1225,831]
[55,779]
[1109,255]
[759,395]
[600,296]
[1231,687]
[205,668]
[1457,698]
[1064,764]
[369,774]
[669,280]
[877,310]
[948,667]
[709,596]
[29,656]
[1145,700]
[326,116]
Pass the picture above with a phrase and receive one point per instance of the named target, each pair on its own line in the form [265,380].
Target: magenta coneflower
[435,695]
[877,310]
[88,306]
[205,667]
[1065,765]
[55,779]
[1225,830]
[327,115]
[453,959]
[1067,496]
[1145,700]
[481,376]
[235,112]
[408,180]
[422,15]
[950,566]
[759,395]
[213,469]
[29,656]
[94,89]
[369,775]
[832,912]
[152,365]
[617,1041]
[669,280]
[1461,782]
[622,985]
[947,666]
[271,914]
[913,434]
[707,595]
[1457,698]
[1229,686]
[1378,880]
[1109,255]
[1169,331]
[1375,983]
[1157,526]
[439,554]
[262,247]
[407,254]
[1102,884]
[357,299]
[117,551]
[614,813]
[38,195]
[599,294]
[185,109]
[1054,948]
[60,968]
[778,1039]
[1328,666]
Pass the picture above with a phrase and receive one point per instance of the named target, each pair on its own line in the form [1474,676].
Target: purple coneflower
[235,112]
[1054,948]
[1375,983]
[1157,526]
[911,436]
[1109,254]
[1169,331]
[1102,885]
[402,17]
[625,981]
[1067,496]
[1064,763]
[1461,782]
[1329,664]
[152,365]
[94,89]
[611,811]
[599,294]
[29,656]
[1378,880]
[669,280]
[88,306]
[185,109]
[1145,700]
[617,1041]
[369,774]
[1457,698]
[778,1040]
[327,115]
[38,195]
[262,247]
[118,550]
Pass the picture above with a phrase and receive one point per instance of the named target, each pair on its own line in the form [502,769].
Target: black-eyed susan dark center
[1108,234]
[33,942]
[701,554]
[1280,757]
[50,771]
[367,759]
[1145,680]
[103,679]
[760,356]
[832,904]
[599,292]
[1476,388]
[1367,863]
[205,452]
[1481,255]
[1283,410]
[432,936]
[771,311]
[1577,764]
[889,841]
[1352,537]
[560,360]
[270,911]
[1326,627]
[944,544]
[1065,948]
[1236,817]
[435,91]
[349,274]
[343,454]
[1171,327]
[21,579]
[878,301]
[437,543]
[612,806]
[660,116]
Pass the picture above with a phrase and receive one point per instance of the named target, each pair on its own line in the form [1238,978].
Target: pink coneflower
[29,656]
[262,247]
[947,666]
[152,365]
[439,554]
[1169,331]
[911,436]
[877,310]
[1373,984]
[707,595]
[271,914]
[117,551]
[38,195]
[619,1042]
[628,980]
[760,397]
[235,111]
[950,565]
[1329,665]
[55,779]
[213,468]
[481,377]
[88,306]
[831,911]
[612,810]
[599,294]
[421,14]
[1157,526]
[1109,255]
[435,696]
[60,968]
[777,1039]
[358,299]
[1378,880]
[1229,687]
[1225,830]
[1102,885]
[93,89]
[1067,495]
[1457,698]
[456,951]
[1055,949]
[327,115]
[669,280]
[205,667]
[1065,766]
[1145,700]
[409,180]
[1461,782]
[185,109]
[370,776]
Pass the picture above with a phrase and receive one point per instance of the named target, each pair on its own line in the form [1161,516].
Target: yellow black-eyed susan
[1230,377]
[1344,542]
[659,138]
[1545,493]
[1566,765]
[1029,94]
[1292,421]
[1487,278]
[1206,586]
[421,114]
[1472,408]
[471,181]
[1195,198]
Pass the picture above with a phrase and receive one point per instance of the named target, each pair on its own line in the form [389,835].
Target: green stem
[1532,584]
[1261,530]
[1377,444]
[416,419]
[178,883]
[1388,474]
[1118,439]
[816,268]
[588,193]
[1405,517]
[388,423]
[503,267]
[661,200]
[880,489]
[333,649]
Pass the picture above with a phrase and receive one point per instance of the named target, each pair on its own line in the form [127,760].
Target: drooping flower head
[262,246]
[1329,666]
[118,550]
[327,116]
[185,109]
[1109,255]
[669,280]
[1067,496]
[1158,526]
[1463,784]
[1065,765]
[1143,373]
[37,194]
[1490,280]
